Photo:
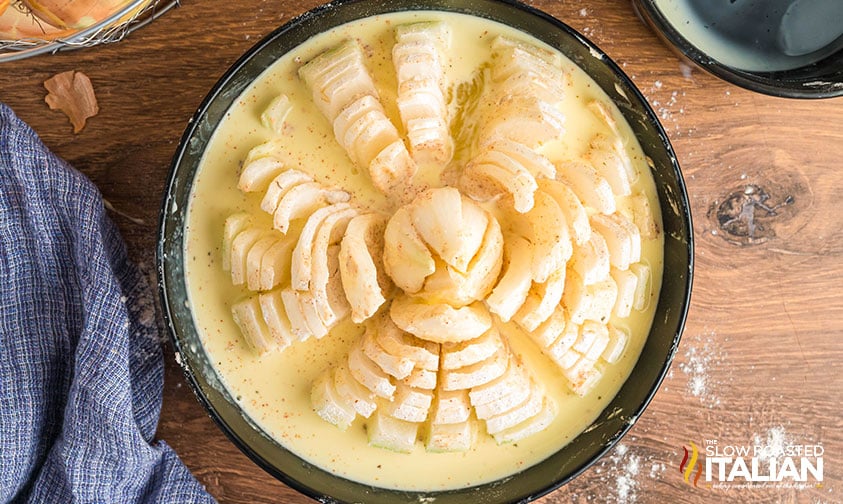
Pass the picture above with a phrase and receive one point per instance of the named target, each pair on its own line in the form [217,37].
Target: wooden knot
[746,217]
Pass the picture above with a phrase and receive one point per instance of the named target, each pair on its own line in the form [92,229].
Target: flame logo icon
[686,468]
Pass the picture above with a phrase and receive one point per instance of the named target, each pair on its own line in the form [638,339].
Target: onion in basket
[72,13]
[34,20]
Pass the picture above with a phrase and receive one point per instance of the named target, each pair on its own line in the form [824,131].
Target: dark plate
[623,410]
[823,79]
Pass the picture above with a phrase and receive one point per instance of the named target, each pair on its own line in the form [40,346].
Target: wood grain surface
[760,358]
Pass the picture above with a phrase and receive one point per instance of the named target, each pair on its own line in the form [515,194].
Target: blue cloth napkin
[81,368]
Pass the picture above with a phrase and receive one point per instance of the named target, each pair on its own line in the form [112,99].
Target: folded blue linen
[81,368]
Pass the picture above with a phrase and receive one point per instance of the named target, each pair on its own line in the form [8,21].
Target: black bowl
[612,423]
[822,79]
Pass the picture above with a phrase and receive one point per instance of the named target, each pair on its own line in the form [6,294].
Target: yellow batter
[274,390]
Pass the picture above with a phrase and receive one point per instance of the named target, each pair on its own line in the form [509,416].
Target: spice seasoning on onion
[72,93]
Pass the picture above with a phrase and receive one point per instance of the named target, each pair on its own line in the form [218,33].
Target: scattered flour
[589,31]
[627,483]
[620,477]
[667,105]
[773,444]
[699,361]
[143,306]
[620,471]
[656,470]
[142,310]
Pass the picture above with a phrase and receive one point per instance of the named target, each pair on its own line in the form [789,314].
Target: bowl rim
[781,84]
[199,384]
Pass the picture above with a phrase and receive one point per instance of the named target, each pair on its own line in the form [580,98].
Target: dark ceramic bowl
[585,449]
[822,79]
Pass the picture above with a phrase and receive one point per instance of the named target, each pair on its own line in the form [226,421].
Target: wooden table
[759,359]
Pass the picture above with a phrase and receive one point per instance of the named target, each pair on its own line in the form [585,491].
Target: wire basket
[114,28]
